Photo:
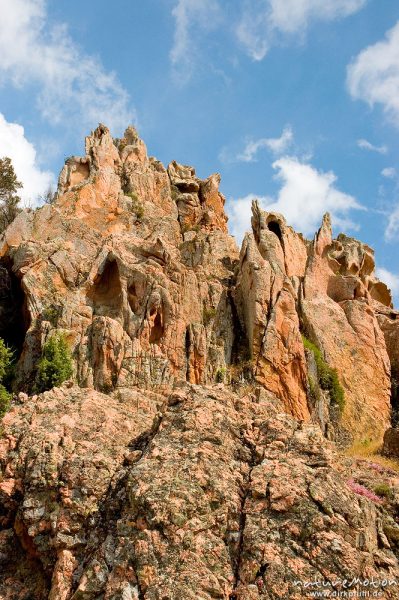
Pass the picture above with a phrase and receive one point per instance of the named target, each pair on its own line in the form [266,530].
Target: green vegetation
[220,375]
[208,314]
[5,398]
[327,377]
[9,200]
[383,490]
[55,365]
[137,206]
[51,314]
[6,368]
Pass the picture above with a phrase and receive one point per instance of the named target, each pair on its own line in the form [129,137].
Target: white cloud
[14,144]
[305,195]
[190,16]
[72,86]
[264,21]
[389,278]
[389,172]
[366,145]
[392,228]
[295,15]
[373,76]
[254,30]
[275,145]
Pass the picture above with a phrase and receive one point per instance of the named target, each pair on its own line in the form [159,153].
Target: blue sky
[292,101]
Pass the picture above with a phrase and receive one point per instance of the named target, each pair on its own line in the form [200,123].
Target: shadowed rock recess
[195,454]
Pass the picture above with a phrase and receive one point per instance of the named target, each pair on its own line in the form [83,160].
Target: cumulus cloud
[389,172]
[71,85]
[190,16]
[373,76]
[366,145]
[391,279]
[275,145]
[263,22]
[305,195]
[14,144]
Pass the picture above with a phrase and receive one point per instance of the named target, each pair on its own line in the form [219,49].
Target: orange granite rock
[187,456]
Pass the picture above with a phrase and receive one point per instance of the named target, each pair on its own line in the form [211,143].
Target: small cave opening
[157,327]
[240,350]
[80,171]
[106,293]
[275,228]
[14,315]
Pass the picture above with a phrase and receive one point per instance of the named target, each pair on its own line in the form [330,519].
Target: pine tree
[9,200]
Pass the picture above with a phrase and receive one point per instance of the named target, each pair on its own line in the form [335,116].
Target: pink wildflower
[361,490]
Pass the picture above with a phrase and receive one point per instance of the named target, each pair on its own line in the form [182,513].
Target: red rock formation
[187,458]
[338,314]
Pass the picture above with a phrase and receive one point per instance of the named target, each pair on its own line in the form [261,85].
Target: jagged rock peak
[119,173]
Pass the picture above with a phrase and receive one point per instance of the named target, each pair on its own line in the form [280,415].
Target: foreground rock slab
[201,493]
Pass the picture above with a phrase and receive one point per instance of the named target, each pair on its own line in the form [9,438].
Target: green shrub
[383,490]
[5,398]
[51,314]
[6,371]
[55,365]
[9,200]
[137,206]
[220,375]
[6,360]
[327,376]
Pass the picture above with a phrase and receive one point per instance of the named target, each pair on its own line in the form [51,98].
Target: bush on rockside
[55,365]
[9,199]
[6,360]
[327,377]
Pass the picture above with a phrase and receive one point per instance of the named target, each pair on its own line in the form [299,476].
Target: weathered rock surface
[134,264]
[199,494]
[266,300]
[338,313]
[143,299]
[188,457]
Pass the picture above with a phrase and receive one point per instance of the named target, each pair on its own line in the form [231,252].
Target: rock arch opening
[106,293]
[275,228]
[14,315]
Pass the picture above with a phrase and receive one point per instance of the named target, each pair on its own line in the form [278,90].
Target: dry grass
[371,450]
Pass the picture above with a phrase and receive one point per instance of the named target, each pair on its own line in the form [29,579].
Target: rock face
[338,313]
[201,493]
[266,294]
[188,457]
[115,264]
